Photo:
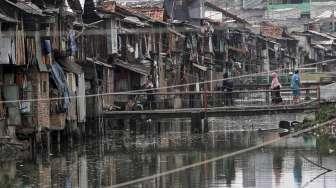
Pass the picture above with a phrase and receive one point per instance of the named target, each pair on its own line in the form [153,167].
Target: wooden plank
[213,112]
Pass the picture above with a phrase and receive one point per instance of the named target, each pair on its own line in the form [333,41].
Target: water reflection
[112,160]
[297,170]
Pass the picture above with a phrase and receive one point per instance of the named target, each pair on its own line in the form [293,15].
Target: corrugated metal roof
[71,67]
[153,12]
[321,47]
[27,7]
[321,34]
[134,20]
[98,62]
[138,68]
[226,13]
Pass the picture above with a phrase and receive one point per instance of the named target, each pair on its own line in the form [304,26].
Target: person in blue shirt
[295,86]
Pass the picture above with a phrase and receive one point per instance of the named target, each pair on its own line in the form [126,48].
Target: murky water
[115,159]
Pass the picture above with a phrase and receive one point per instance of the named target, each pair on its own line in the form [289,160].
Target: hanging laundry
[147,46]
[130,48]
[114,39]
[63,45]
[59,78]
[20,47]
[72,45]
[210,45]
[46,47]
[119,43]
[136,53]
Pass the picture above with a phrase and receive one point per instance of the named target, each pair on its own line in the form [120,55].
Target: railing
[209,99]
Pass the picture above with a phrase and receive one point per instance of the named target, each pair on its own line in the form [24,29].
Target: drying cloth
[46,46]
[58,76]
[72,42]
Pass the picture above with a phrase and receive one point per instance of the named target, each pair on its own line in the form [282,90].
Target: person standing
[275,87]
[227,88]
[295,86]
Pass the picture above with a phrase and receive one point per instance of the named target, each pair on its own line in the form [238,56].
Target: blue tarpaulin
[58,76]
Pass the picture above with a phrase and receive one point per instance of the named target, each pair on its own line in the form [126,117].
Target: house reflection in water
[107,162]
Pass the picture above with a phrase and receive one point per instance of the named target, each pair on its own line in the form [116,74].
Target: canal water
[118,158]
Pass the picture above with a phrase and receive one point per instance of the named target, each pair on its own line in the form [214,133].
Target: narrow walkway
[215,111]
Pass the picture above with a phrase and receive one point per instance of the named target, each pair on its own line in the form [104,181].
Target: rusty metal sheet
[270,30]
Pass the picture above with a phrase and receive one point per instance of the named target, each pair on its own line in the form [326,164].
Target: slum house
[279,48]
[94,50]
[152,9]
[325,22]
[66,80]
[317,46]
[171,66]
[187,17]
[179,46]
[204,29]
[24,74]
[132,45]
[191,66]
[180,41]
[323,45]
[213,22]
[168,39]
[231,41]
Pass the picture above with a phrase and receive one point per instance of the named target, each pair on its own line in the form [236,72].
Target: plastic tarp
[59,78]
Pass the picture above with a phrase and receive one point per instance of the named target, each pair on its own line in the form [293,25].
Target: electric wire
[158,175]
[165,87]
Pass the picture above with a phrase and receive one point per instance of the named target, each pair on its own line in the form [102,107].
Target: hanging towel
[46,46]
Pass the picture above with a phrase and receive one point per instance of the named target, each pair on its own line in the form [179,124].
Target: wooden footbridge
[211,104]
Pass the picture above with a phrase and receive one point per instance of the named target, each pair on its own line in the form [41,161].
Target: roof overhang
[4,18]
[28,8]
[225,13]
[138,68]
[98,62]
